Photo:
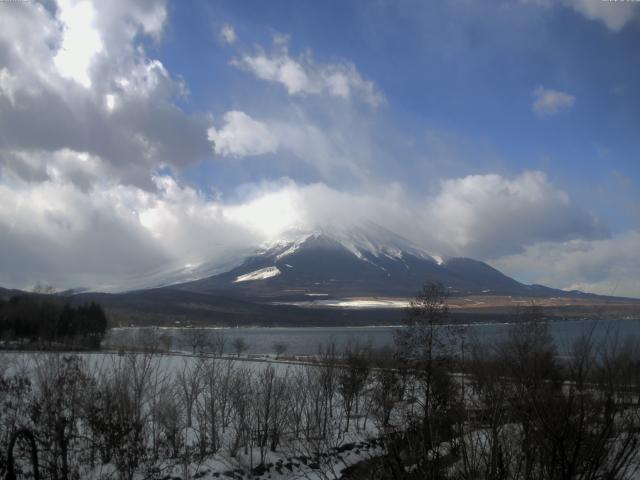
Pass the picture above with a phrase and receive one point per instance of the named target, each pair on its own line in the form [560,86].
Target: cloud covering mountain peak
[146,142]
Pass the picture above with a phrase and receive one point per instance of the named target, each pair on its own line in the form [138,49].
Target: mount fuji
[365,260]
[356,275]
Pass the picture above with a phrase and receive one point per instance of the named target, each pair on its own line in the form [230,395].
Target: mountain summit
[362,261]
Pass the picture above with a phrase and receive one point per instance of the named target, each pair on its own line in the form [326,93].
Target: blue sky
[460,69]
[182,133]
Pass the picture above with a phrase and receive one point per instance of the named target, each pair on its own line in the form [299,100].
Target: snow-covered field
[199,417]
[177,415]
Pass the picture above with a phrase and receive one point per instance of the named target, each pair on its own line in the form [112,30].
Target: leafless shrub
[280,348]
[240,346]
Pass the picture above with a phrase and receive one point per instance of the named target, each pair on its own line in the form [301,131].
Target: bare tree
[28,436]
[352,378]
[171,422]
[387,388]
[299,395]
[216,342]
[240,346]
[264,408]
[281,410]
[166,341]
[279,348]
[241,391]
[328,383]
[118,429]
[213,403]
[545,419]
[487,407]
[161,384]
[197,339]
[16,388]
[189,384]
[61,382]
[148,340]
[425,346]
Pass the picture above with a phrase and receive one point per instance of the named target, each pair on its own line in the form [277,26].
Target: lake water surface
[306,340]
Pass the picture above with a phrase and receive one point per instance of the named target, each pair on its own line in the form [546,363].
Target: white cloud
[8,85]
[62,234]
[484,216]
[303,76]
[228,34]
[64,166]
[524,225]
[119,105]
[607,266]
[340,150]
[80,79]
[550,102]
[270,211]
[241,135]
[109,236]
[490,215]
[615,15]
[80,40]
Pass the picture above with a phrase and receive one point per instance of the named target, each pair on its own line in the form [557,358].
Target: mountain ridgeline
[323,265]
[354,276]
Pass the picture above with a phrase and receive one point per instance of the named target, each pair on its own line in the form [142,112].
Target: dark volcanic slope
[322,265]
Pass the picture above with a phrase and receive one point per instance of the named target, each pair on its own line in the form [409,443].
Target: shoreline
[344,327]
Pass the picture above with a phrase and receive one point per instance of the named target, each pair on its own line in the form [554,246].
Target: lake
[306,340]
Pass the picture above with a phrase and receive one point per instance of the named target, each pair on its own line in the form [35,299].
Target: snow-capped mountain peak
[364,240]
[361,260]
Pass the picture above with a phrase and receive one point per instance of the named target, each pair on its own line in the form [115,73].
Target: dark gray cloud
[126,115]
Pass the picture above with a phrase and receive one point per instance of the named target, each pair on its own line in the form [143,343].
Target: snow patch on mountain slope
[261,274]
[362,303]
[367,237]
[286,244]
[292,247]
[365,240]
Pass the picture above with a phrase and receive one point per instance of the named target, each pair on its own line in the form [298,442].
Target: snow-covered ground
[239,454]
[232,417]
